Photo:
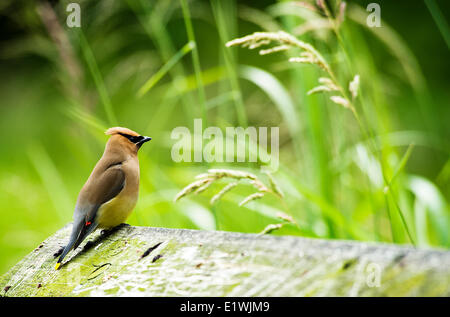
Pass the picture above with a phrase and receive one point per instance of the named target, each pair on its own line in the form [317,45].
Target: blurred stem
[315,117]
[389,190]
[368,135]
[405,225]
[230,63]
[393,231]
[166,67]
[68,61]
[154,23]
[195,59]
[215,211]
[98,79]
[367,132]
[401,165]
[51,178]
[439,19]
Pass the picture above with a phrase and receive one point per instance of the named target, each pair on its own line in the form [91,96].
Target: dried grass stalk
[328,82]
[285,217]
[224,190]
[271,227]
[320,88]
[204,186]
[353,87]
[273,185]
[309,55]
[274,49]
[204,181]
[259,39]
[250,198]
[192,188]
[221,173]
[341,101]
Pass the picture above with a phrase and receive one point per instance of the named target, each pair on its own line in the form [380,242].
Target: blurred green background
[61,87]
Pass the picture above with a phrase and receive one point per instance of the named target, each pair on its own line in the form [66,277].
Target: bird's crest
[117,130]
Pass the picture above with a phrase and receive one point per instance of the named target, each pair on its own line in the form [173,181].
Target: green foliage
[366,162]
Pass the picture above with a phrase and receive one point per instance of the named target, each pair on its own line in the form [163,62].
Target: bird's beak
[145,139]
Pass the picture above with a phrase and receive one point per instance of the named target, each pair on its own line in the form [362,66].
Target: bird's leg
[59,252]
[105,233]
[88,245]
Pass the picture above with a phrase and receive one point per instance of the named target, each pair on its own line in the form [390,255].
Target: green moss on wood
[199,263]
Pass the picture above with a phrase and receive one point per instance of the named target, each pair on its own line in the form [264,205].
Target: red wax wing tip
[88,223]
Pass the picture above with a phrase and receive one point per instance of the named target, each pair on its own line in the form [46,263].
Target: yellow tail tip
[57,266]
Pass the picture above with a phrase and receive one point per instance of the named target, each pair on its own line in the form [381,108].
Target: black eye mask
[132,138]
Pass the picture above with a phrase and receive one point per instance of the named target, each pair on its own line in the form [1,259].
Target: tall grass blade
[154,17]
[98,79]
[276,92]
[402,217]
[223,28]
[439,19]
[152,81]
[195,58]
[52,180]
[400,166]
[429,196]
[78,114]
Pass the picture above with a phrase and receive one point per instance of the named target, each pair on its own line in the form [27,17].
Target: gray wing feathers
[106,186]
[100,190]
[77,227]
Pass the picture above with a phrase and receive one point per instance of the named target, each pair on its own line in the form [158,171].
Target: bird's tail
[76,230]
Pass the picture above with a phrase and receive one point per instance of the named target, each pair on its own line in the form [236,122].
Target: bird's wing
[105,187]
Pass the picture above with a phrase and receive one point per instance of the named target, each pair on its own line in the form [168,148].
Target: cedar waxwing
[111,191]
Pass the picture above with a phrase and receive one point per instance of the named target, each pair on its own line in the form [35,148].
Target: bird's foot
[59,252]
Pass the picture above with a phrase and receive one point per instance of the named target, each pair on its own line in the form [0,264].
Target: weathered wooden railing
[140,261]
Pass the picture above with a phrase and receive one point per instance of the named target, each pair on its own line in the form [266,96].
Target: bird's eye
[136,139]
[132,138]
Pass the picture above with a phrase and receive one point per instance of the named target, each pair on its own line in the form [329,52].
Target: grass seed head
[250,198]
[224,190]
[192,188]
[353,87]
[340,101]
[285,217]
[270,228]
